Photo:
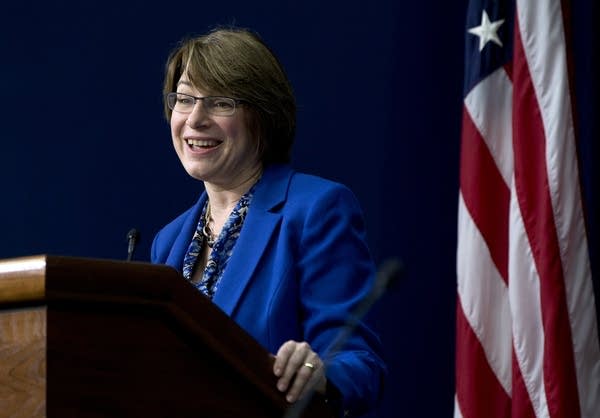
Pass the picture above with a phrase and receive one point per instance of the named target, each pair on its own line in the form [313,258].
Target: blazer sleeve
[336,272]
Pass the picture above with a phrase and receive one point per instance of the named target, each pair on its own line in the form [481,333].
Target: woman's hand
[298,367]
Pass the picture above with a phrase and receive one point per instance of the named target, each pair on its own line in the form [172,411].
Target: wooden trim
[22,279]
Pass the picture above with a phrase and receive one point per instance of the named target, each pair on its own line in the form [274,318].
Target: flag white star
[487,31]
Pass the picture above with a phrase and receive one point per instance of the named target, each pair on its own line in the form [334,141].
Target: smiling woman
[237,64]
[212,142]
[283,253]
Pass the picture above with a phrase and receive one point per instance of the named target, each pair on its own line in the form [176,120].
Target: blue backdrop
[86,154]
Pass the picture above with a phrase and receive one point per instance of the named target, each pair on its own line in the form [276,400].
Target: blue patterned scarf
[222,248]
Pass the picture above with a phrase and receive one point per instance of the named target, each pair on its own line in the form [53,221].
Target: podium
[100,338]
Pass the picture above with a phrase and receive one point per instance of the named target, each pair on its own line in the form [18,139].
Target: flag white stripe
[457,411]
[489,318]
[493,118]
[526,309]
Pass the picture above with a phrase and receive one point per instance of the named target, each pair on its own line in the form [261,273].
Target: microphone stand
[388,273]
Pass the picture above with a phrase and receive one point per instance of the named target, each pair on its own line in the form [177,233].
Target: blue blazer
[299,267]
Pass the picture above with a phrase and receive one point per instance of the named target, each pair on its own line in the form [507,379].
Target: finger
[294,361]
[282,357]
[317,382]
[305,376]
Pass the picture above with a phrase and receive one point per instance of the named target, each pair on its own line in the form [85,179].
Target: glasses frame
[171,99]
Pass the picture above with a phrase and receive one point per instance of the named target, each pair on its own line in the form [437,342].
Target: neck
[222,200]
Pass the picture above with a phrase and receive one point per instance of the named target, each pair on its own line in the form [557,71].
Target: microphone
[388,273]
[132,239]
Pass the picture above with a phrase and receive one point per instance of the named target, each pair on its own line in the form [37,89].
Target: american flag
[527,336]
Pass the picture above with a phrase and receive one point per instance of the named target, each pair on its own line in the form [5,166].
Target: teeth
[202,142]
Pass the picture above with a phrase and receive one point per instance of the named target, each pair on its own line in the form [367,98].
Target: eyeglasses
[214,105]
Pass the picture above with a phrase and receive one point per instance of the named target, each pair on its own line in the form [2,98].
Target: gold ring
[309,365]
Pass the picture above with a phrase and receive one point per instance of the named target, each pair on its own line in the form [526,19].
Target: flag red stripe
[536,208]
[521,403]
[508,69]
[485,193]
[478,391]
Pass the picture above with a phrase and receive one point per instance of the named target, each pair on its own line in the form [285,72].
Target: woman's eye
[222,104]
[185,100]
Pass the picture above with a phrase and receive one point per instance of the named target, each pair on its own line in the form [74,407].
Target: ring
[309,365]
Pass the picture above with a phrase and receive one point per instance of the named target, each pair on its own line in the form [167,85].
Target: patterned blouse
[221,250]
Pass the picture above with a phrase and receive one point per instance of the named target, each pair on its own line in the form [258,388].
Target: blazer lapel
[259,225]
[182,242]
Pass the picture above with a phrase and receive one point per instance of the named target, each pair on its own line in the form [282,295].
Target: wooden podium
[99,338]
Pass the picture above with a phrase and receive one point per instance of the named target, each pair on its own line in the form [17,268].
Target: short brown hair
[237,63]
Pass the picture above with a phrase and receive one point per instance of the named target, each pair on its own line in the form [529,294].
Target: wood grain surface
[23,363]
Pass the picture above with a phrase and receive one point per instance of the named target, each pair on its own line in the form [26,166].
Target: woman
[282,253]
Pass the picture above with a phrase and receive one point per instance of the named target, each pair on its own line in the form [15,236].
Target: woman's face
[214,149]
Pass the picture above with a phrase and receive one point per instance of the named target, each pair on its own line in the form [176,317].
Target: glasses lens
[180,102]
[222,106]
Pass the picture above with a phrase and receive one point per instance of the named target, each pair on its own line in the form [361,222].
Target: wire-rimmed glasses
[214,105]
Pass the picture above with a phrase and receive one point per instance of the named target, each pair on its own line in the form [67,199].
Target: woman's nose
[198,117]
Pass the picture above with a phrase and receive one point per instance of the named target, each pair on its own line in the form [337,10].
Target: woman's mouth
[202,143]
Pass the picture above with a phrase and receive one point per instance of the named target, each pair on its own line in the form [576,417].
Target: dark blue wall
[86,154]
